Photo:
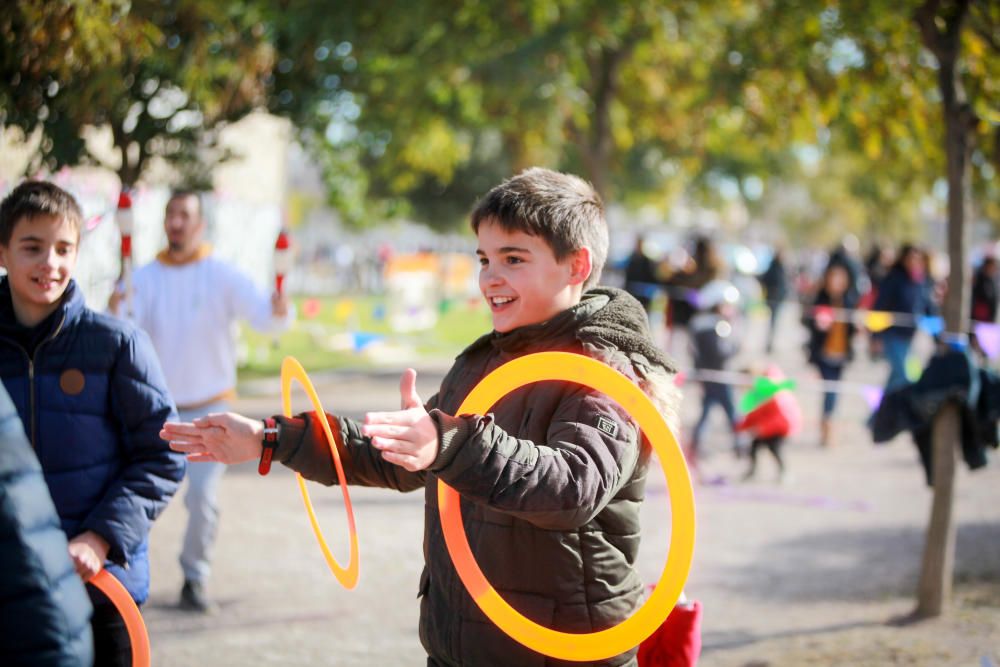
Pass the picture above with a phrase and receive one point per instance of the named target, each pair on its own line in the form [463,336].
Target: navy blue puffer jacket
[44,609]
[92,402]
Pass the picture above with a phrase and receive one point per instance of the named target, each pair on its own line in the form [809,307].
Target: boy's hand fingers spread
[174,429]
[187,446]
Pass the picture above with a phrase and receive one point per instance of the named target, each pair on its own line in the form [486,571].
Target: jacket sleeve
[591,451]
[43,604]
[150,471]
[302,447]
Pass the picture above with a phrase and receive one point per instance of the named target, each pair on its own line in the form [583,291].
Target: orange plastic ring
[630,632]
[291,369]
[136,627]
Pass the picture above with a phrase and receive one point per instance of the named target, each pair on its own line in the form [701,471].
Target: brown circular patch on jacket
[72,381]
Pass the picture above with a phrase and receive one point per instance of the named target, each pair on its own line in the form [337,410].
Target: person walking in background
[907,293]
[775,283]
[92,398]
[682,286]
[831,334]
[713,345]
[188,300]
[640,275]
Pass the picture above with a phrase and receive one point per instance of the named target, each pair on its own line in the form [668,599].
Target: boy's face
[39,259]
[521,279]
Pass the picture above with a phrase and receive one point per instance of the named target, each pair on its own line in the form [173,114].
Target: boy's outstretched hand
[225,437]
[408,437]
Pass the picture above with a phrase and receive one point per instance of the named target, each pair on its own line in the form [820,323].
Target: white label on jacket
[607,426]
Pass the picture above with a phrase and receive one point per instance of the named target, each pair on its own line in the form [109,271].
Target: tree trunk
[934,589]
[937,570]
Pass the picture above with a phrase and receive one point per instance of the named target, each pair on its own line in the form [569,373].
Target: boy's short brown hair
[564,210]
[32,199]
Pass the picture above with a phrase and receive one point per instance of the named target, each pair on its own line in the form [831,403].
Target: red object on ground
[676,643]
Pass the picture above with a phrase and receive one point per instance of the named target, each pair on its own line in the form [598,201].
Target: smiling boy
[91,396]
[551,479]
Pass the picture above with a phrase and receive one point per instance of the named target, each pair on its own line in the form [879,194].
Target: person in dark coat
[907,293]
[775,283]
[552,479]
[682,286]
[640,275]
[43,604]
[984,291]
[91,395]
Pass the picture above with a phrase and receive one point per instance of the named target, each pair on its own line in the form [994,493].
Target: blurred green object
[763,389]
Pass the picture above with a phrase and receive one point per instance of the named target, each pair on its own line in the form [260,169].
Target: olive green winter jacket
[551,480]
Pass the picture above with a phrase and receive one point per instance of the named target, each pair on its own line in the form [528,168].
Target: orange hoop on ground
[630,632]
[106,582]
[291,369]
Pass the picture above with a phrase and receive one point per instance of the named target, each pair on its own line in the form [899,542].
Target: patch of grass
[327,331]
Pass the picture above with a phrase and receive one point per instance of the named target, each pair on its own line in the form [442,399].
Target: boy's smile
[39,260]
[522,281]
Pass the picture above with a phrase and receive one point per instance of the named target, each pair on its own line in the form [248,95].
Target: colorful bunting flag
[988,337]
[878,320]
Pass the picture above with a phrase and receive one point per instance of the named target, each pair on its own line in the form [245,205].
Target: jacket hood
[609,322]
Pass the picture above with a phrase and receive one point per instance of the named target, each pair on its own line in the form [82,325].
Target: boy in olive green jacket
[551,479]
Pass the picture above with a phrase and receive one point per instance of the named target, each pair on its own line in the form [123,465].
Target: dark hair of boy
[33,199]
[564,210]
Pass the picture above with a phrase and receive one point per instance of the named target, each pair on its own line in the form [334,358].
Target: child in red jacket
[772,414]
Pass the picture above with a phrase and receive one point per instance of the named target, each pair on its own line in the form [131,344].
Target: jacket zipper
[31,379]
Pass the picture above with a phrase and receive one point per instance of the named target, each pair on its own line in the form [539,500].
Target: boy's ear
[3,256]
[581,264]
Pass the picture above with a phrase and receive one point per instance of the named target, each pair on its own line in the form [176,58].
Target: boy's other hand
[225,437]
[407,438]
[88,551]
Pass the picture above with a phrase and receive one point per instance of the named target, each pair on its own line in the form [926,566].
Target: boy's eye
[483,261]
[511,259]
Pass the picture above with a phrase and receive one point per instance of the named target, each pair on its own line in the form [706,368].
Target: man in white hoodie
[187,301]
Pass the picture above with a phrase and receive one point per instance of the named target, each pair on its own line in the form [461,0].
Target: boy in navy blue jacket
[92,398]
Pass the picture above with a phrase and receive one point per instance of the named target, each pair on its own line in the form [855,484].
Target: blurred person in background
[682,286]
[845,254]
[907,293]
[984,291]
[713,345]
[187,300]
[877,264]
[775,283]
[640,275]
[831,333]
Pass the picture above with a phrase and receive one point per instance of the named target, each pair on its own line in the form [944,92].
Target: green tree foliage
[163,75]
